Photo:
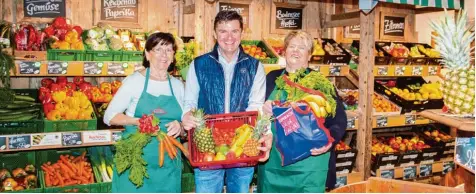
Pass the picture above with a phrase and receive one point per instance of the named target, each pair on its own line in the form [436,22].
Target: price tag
[72,138]
[3,143]
[93,68]
[387,174]
[341,181]
[382,70]
[101,136]
[448,167]
[409,172]
[400,70]
[426,170]
[432,70]
[137,66]
[19,142]
[410,119]
[465,152]
[382,121]
[334,70]
[116,136]
[351,123]
[46,139]
[30,67]
[55,67]
[317,68]
[417,70]
[116,68]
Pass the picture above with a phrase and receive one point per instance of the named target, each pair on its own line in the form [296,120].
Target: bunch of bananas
[320,107]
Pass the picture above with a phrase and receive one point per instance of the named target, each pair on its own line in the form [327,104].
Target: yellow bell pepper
[71,36]
[59,96]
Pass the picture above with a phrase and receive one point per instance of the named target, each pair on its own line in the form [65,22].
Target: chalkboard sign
[30,67]
[3,143]
[354,29]
[393,26]
[288,18]
[242,9]
[116,68]
[19,142]
[465,152]
[55,67]
[92,68]
[72,139]
[44,8]
[121,11]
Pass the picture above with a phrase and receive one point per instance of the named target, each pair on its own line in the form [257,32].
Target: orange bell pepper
[107,98]
[106,88]
[71,115]
[59,96]
[115,86]
[53,115]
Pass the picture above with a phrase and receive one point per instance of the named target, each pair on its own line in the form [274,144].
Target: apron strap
[170,85]
[147,75]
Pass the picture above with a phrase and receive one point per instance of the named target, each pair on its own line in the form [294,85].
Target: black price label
[426,170]
[30,67]
[382,121]
[394,26]
[334,70]
[288,18]
[351,123]
[383,71]
[432,70]
[448,167]
[55,67]
[409,172]
[93,68]
[3,143]
[120,11]
[387,174]
[137,66]
[417,70]
[116,68]
[19,142]
[341,181]
[400,70]
[72,139]
[410,119]
[116,136]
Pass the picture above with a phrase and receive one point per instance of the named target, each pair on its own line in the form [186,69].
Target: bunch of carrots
[168,144]
[68,170]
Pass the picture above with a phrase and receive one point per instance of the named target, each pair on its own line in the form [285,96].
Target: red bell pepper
[78,80]
[47,98]
[69,92]
[85,86]
[61,79]
[31,37]
[47,107]
[59,22]
[115,86]
[71,86]
[105,88]
[50,31]
[54,87]
[42,92]
[46,82]
[79,30]
[88,94]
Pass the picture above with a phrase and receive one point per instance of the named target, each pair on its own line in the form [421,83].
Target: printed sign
[72,139]
[289,121]
[400,70]
[3,143]
[46,139]
[120,10]
[19,142]
[116,68]
[382,121]
[383,70]
[433,70]
[334,70]
[410,119]
[55,67]
[393,26]
[242,9]
[448,167]
[465,152]
[102,136]
[409,172]
[288,18]
[417,70]
[93,68]
[426,170]
[351,123]
[352,31]
[44,8]
[29,67]
[116,135]
[387,174]
[341,181]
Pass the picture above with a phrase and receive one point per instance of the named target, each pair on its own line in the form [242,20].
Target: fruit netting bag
[298,129]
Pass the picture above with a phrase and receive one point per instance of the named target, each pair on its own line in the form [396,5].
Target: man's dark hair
[225,16]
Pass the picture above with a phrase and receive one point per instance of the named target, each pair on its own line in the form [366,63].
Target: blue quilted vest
[211,80]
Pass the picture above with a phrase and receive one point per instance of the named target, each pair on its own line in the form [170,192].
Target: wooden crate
[30,55]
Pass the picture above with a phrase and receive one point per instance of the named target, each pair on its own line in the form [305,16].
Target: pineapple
[453,43]
[202,136]
[250,148]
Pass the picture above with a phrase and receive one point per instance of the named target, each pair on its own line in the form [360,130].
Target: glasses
[161,50]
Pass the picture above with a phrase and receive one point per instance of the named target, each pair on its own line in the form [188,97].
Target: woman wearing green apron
[308,175]
[151,91]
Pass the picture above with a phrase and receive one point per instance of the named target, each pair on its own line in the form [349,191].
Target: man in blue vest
[225,80]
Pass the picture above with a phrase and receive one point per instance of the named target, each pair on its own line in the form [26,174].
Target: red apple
[405,141]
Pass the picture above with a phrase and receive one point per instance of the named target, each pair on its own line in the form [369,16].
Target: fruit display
[341,146]
[426,91]
[68,170]
[430,52]
[277,43]
[63,36]
[333,49]
[29,38]
[16,107]
[318,50]
[437,135]
[102,38]
[458,86]
[18,179]
[392,144]
[414,52]
[397,50]
[202,136]
[380,104]
[255,51]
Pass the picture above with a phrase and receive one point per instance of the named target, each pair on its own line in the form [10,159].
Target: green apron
[161,180]
[306,176]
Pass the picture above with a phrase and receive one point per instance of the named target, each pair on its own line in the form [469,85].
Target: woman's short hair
[306,37]
[158,38]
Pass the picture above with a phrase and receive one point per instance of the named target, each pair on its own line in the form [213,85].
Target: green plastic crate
[21,127]
[103,55]
[272,59]
[132,55]
[65,55]
[104,187]
[70,125]
[188,183]
[11,161]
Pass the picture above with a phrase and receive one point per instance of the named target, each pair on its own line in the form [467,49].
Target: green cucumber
[20,117]
[24,98]
[20,111]
[18,106]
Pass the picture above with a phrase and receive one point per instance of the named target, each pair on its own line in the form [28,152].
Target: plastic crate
[53,156]
[70,125]
[345,160]
[219,123]
[103,55]
[272,58]
[445,145]
[21,127]
[11,161]
[431,60]
[65,55]
[330,59]
[132,55]
[392,60]
[188,183]
[379,60]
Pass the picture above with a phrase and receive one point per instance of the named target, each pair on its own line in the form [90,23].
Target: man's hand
[268,142]
[268,108]
[173,129]
[319,151]
[188,121]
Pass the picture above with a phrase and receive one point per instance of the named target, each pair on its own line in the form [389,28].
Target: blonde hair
[306,37]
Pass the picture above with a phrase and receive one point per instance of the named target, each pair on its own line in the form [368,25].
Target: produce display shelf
[349,178]
[416,170]
[406,70]
[380,121]
[464,124]
[56,140]
[326,70]
[31,68]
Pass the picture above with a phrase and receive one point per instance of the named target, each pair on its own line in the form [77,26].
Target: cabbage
[115,44]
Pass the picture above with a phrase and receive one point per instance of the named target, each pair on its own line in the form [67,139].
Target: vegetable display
[68,170]
[18,179]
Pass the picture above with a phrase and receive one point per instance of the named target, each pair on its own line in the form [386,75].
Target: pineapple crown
[261,125]
[453,40]
[199,114]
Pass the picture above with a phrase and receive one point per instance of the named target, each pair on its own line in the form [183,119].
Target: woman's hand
[174,129]
[188,121]
[319,151]
[268,142]
[268,108]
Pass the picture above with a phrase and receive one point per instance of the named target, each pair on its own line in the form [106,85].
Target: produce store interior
[406,81]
